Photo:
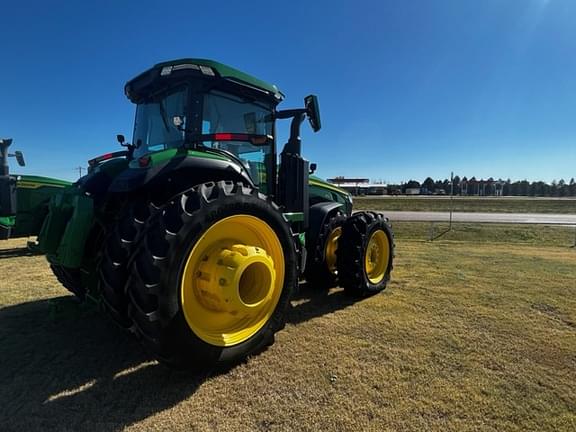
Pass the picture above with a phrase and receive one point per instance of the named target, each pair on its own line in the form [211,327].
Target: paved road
[518,218]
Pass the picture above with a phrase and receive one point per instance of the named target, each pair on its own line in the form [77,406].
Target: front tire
[321,270]
[211,276]
[365,254]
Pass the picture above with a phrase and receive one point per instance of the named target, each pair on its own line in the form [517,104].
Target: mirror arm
[294,144]
[284,114]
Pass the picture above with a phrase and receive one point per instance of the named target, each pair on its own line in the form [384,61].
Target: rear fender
[319,215]
[178,174]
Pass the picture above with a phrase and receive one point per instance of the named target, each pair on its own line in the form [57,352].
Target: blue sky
[407,88]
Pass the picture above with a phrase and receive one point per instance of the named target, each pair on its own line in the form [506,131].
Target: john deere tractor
[197,234]
[30,193]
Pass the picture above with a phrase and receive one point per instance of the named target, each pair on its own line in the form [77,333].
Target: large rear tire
[365,254]
[321,270]
[71,279]
[212,276]
[113,269]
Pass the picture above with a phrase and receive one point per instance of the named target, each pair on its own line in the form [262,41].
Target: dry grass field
[469,336]
[467,204]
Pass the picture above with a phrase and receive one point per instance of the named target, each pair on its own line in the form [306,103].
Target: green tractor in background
[196,236]
[32,193]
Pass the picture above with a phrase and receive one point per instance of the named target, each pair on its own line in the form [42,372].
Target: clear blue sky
[407,88]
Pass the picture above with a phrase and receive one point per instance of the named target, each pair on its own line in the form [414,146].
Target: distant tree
[446,185]
[481,187]
[554,188]
[428,184]
[473,186]
[412,184]
[490,190]
[532,189]
[463,186]
[456,184]
[562,190]
[538,188]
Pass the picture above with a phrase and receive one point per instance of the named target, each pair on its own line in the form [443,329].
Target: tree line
[489,187]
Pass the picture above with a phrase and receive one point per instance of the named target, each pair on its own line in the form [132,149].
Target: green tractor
[196,236]
[32,193]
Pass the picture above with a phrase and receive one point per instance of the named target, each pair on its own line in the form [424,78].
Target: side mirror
[313,168]
[313,112]
[120,138]
[19,158]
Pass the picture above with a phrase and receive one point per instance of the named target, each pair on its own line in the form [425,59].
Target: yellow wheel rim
[377,256]
[331,247]
[232,280]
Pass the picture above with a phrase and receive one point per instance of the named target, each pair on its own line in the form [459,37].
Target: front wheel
[212,276]
[365,254]
[321,271]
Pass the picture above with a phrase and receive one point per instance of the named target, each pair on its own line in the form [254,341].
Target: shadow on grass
[78,372]
[312,302]
[74,369]
[16,252]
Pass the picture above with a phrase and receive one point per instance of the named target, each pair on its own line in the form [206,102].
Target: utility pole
[79,171]
[451,198]
[433,235]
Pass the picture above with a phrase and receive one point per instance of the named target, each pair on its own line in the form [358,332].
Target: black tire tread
[154,306]
[71,279]
[113,270]
[317,273]
[350,255]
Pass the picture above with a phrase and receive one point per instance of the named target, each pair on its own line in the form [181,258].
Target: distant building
[412,191]
[359,186]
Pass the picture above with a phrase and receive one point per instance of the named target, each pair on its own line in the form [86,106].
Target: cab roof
[208,68]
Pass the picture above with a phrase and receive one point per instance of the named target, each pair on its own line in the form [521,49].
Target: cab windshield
[154,129]
[224,112]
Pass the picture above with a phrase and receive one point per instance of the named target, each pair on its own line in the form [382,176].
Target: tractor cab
[237,126]
[204,106]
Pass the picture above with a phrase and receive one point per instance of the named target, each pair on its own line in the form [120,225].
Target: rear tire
[71,279]
[321,269]
[181,299]
[365,254]
[113,269]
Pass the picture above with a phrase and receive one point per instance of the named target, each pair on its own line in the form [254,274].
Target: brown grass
[467,337]
[467,204]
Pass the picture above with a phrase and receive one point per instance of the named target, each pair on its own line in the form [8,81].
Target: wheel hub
[232,280]
[331,247]
[236,279]
[377,256]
